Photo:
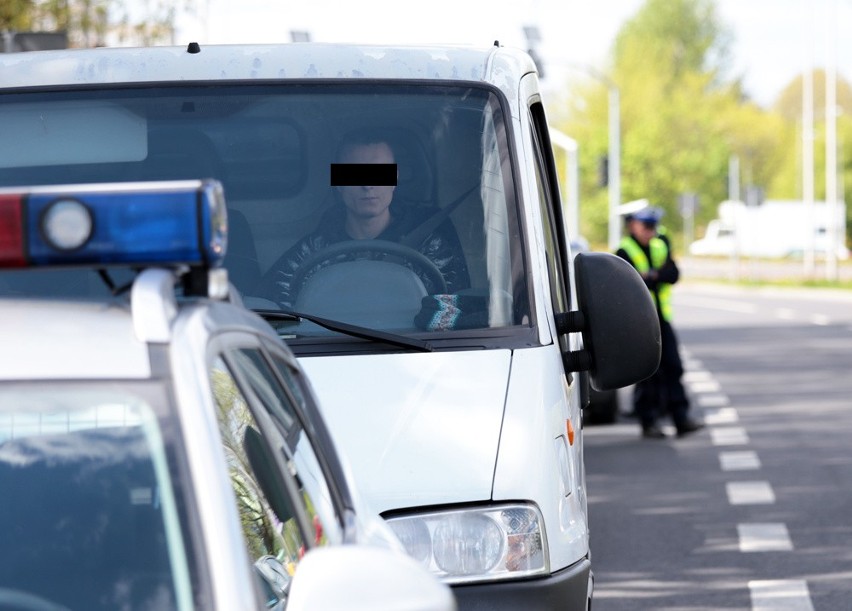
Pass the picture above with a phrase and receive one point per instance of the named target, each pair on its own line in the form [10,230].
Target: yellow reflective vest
[659,253]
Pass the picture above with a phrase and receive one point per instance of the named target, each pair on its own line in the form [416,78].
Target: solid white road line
[750,493]
[729,436]
[780,595]
[739,461]
[764,537]
[821,320]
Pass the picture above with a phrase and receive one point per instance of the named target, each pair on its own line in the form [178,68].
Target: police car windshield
[88,512]
[388,207]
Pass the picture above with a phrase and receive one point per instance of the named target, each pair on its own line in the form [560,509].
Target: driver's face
[367,202]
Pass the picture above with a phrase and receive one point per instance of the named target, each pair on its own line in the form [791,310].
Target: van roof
[495,65]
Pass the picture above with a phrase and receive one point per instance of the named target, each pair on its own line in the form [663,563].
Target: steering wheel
[376,250]
[27,601]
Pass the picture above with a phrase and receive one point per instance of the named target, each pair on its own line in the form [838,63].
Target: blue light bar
[156,223]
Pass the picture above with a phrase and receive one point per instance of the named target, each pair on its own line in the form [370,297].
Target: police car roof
[60,339]
[263,62]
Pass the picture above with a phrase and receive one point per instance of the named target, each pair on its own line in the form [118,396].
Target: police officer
[663,392]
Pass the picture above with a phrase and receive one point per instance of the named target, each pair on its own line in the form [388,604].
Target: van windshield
[386,207]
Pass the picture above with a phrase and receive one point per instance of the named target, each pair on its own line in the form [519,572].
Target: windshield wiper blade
[372,335]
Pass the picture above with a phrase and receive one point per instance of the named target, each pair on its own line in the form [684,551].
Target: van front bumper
[567,590]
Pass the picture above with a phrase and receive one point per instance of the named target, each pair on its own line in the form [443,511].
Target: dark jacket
[441,246]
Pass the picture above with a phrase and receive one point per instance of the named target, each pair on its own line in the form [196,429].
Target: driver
[370,212]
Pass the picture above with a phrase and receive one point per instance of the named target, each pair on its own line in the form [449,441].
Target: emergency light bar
[141,223]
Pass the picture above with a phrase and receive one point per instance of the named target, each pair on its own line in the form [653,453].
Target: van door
[541,445]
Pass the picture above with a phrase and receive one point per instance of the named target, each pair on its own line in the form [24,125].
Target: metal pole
[572,180]
[690,207]
[734,178]
[808,148]
[572,171]
[734,196]
[831,144]
[614,155]
[614,177]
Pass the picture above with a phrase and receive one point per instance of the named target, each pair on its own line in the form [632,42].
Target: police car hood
[416,429]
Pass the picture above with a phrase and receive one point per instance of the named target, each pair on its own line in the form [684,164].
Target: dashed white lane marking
[750,493]
[710,400]
[785,313]
[698,375]
[780,595]
[723,415]
[729,436]
[739,461]
[764,537]
[767,595]
[726,305]
[788,314]
[702,386]
[620,430]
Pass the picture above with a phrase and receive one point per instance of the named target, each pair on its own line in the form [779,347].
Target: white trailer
[774,229]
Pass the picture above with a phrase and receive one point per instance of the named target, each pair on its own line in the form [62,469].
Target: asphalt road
[755,512]
[750,269]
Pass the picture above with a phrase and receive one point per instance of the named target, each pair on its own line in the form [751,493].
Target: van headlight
[476,544]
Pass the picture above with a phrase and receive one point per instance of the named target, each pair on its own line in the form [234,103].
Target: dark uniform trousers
[663,392]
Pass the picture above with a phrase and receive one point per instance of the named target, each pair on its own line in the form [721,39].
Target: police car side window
[273,526]
[310,478]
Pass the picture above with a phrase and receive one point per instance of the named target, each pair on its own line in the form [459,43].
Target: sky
[773,40]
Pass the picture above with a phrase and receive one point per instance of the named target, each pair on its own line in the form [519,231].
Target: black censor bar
[363,174]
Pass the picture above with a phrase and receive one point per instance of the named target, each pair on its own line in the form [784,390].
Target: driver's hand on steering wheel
[443,312]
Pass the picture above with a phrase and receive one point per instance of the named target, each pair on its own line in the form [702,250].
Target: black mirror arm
[577,360]
[570,322]
[573,322]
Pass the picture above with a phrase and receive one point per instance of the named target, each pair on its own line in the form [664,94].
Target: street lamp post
[533,37]
[572,180]
[613,156]
[613,177]
[831,145]
[614,168]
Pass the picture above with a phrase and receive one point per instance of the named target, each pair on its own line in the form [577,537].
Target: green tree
[16,15]
[681,119]
[787,182]
[91,23]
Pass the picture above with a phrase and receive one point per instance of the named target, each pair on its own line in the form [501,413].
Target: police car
[159,446]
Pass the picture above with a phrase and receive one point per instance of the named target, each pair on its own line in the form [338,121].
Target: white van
[452,350]
[775,229]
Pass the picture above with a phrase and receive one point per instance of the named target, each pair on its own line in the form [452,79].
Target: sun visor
[70,133]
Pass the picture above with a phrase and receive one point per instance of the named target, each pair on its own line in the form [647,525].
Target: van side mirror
[618,322]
